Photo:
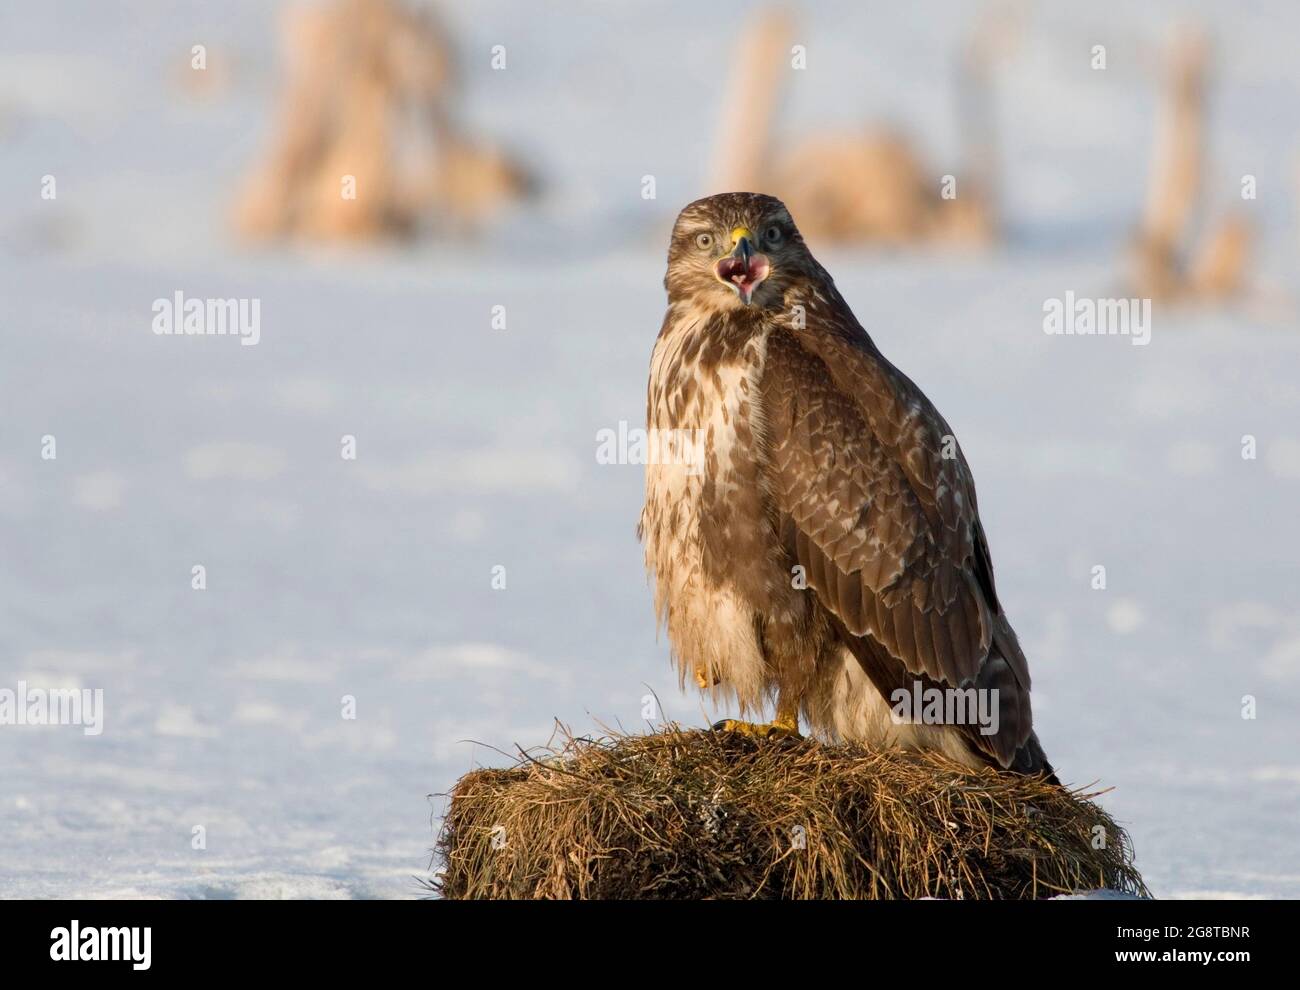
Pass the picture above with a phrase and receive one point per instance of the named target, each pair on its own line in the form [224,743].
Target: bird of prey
[822,547]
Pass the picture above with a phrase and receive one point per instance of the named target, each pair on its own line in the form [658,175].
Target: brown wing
[878,505]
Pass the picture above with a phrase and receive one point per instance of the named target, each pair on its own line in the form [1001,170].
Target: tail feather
[1031,759]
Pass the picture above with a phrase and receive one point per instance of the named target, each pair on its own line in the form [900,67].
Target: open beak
[744,268]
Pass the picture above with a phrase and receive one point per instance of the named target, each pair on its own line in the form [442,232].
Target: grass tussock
[694,814]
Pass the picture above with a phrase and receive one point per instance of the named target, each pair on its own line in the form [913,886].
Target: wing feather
[879,507]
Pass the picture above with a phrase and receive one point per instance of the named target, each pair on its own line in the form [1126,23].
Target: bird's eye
[773,234]
[704,241]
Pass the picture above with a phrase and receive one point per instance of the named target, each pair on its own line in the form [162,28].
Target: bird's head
[735,250]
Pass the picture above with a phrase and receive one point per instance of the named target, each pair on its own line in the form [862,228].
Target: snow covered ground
[476,448]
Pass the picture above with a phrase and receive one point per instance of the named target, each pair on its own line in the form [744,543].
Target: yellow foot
[782,728]
[706,681]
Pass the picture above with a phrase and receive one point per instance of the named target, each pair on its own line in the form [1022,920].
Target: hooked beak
[744,268]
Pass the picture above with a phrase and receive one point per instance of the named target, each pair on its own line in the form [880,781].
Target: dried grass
[697,814]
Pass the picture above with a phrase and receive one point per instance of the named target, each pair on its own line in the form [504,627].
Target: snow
[373,579]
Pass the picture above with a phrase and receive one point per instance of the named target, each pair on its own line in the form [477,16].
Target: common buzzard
[821,543]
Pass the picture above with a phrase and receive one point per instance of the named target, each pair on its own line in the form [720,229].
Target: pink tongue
[740,273]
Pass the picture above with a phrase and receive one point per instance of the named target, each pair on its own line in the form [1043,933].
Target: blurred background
[453,218]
